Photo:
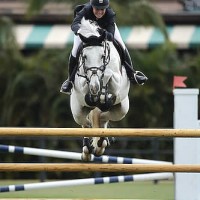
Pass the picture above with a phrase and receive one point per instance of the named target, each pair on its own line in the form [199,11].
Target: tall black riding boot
[135,77]
[68,84]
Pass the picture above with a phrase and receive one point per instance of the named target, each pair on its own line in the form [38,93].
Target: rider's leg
[133,75]
[68,84]
[72,68]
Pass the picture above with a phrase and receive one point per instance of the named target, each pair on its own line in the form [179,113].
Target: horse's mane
[88,28]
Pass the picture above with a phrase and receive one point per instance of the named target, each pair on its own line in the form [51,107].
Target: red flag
[179,81]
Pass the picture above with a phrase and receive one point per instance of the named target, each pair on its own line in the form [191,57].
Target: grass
[163,190]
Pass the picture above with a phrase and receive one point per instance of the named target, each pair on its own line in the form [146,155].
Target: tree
[10,57]
[7,38]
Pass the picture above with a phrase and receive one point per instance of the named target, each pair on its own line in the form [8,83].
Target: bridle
[94,69]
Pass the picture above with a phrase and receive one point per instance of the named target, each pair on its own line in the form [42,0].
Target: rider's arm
[77,21]
[109,24]
[110,28]
[80,12]
[110,21]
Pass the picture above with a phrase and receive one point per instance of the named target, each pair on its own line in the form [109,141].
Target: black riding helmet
[100,4]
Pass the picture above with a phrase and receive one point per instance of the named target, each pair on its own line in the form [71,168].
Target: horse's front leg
[114,80]
[87,149]
[80,115]
[116,113]
[79,111]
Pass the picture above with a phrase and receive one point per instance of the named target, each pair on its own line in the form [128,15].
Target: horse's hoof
[86,157]
[99,151]
[86,150]
[87,147]
[86,153]
[101,145]
[103,142]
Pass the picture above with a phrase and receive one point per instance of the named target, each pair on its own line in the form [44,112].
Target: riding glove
[106,35]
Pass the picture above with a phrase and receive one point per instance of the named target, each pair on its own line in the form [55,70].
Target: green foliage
[155,98]
[144,13]
[30,87]
[31,90]
[35,6]
[7,38]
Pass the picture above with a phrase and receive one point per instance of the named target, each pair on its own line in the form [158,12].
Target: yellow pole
[92,132]
[134,168]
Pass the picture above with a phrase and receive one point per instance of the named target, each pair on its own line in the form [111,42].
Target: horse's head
[92,66]
[94,61]
[94,58]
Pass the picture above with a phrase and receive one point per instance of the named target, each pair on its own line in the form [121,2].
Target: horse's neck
[115,61]
[88,28]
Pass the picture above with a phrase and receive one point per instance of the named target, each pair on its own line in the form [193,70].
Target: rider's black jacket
[107,22]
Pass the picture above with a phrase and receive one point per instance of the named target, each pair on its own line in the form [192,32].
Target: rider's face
[99,13]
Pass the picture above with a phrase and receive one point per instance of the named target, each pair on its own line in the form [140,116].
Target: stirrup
[138,76]
[66,90]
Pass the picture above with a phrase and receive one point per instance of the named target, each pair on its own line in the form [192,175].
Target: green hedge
[30,87]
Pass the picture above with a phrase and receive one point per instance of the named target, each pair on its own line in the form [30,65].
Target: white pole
[76,156]
[89,181]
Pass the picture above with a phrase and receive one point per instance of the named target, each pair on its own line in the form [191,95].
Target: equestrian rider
[99,11]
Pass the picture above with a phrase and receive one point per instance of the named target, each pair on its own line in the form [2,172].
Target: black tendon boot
[68,84]
[135,77]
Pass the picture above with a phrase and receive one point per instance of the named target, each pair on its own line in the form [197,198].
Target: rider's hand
[105,34]
[101,31]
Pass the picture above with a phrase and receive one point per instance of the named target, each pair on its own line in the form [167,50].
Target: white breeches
[77,41]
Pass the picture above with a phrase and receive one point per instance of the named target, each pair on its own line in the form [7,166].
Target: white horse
[100,91]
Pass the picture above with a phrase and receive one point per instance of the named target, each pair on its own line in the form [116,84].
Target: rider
[99,11]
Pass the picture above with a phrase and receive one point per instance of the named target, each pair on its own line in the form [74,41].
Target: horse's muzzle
[94,85]
[94,89]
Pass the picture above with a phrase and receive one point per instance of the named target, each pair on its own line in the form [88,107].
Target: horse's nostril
[94,89]
[94,85]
